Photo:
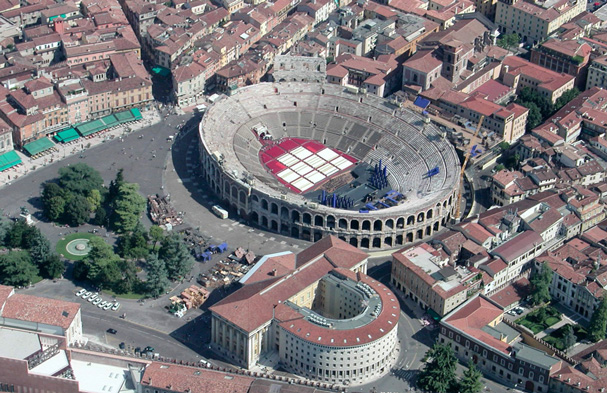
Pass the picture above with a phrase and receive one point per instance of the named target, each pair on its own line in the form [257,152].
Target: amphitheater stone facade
[366,127]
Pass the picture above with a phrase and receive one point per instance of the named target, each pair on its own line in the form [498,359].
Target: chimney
[273,272]
[58,26]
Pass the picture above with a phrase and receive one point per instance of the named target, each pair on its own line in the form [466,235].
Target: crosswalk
[405,375]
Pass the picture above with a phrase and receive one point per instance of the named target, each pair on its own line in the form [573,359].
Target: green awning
[38,146]
[136,113]
[109,121]
[124,116]
[434,315]
[91,127]
[9,160]
[161,71]
[67,135]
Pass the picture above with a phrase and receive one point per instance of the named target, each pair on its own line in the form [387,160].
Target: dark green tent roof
[90,127]
[67,135]
[8,160]
[38,146]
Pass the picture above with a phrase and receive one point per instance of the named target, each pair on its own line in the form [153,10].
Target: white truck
[220,212]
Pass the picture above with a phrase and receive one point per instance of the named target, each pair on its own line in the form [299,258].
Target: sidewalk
[78,146]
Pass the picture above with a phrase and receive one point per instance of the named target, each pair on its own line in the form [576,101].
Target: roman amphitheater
[310,160]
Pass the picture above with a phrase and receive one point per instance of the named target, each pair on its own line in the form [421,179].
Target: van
[220,212]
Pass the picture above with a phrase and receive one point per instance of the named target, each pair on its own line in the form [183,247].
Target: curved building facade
[353,340]
[419,164]
[317,310]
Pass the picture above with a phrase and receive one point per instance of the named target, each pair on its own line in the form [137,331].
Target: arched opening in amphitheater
[365,127]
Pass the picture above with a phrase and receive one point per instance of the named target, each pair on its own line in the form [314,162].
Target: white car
[108,306]
[102,304]
[93,297]
[86,295]
[81,292]
[97,301]
[116,306]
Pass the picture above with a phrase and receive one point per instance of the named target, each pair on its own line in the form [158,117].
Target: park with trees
[142,262]
[28,257]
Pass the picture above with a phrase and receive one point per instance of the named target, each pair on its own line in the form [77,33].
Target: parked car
[81,292]
[112,331]
[93,297]
[121,345]
[519,311]
[138,349]
[87,295]
[108,306]
[116,306]
[148,349]
[97,301]
[102,304]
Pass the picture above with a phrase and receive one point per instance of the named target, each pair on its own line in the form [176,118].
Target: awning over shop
[38,146]
[124,116]
[434,315]
[110,121]
[67,135]
[9,160]
[136,113]
[161,71]
[91,127]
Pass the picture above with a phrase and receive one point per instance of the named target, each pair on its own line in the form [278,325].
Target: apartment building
[379,77]
[519,73]
[424,274]
[532,21]
[568,56]
[477,332]
[508,122]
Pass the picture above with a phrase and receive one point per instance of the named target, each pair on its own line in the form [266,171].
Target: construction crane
[461,174]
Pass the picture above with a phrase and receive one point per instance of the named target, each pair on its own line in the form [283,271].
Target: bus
[220,212]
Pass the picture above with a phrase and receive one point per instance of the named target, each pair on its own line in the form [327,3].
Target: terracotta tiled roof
[252,305]
[473,317]
[177,378]
[35,309]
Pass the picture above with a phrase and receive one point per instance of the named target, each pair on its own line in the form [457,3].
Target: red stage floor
[303,164]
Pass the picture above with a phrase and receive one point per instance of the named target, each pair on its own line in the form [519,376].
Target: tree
[540,284]
[566,97]
[438,374]
[103,264]
[504,146]
[129,277]
[81,271]
[134,244]
[80,179]
[115,185]
[40,249]
[157,282]
[100,216]
[174,253]
[53,267]
[156,234]
[94,198]
[569,338]
[53,201]
[471,381]
[508,41]
[598,322]
[54,208]
[128,205]
[17,269]
[531,96]
[77,211]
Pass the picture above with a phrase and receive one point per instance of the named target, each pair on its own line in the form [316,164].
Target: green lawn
[556,338]
[61,244]
[533,322]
